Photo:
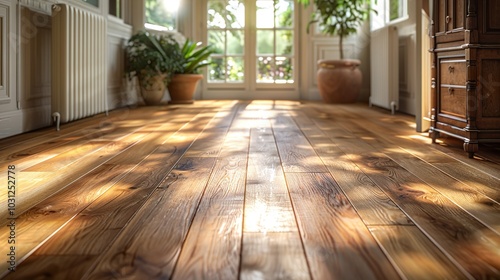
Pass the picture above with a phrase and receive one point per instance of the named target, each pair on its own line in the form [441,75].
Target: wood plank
[449,226]
[271,244]
[52,267]
[295,151]
[468,195]
[98,225]
[213,244]
[41,222]
[149,250]
[273,255]
[169,211]
[32,192]
[54,213]
[414,254]
[371,203]
[337,243]
[72,129]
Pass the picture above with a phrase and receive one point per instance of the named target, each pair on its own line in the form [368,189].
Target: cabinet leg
[434,135]
[471,148]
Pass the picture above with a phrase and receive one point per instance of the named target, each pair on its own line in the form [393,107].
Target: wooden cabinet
[466,71]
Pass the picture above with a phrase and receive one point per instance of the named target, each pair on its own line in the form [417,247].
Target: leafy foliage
[194,57]
[338,17]
[149,55]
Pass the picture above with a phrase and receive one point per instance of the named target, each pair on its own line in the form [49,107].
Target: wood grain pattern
[479,194]
[414,254]
[273,255]
[98,224]
[271,245]
[371,203]
[49,183]
[337,243]
[296,153]
[169,211]
[199,191]
[450,226]
[52,267]
[149,250]
[212,247]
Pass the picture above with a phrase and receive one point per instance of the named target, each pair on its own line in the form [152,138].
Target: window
[267,37]
[226,32]
[387,11]
[161,14]
[274,41]
[115,8]
[94,3]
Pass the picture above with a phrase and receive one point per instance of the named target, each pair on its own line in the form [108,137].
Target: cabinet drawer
[452,72]
[453,101]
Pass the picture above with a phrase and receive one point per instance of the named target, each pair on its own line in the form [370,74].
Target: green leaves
[195,57]
[338,17]
[149,54]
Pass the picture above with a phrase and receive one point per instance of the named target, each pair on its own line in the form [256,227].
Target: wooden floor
[248,190]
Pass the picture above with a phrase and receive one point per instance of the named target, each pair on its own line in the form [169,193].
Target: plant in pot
[339,81]
[153,59]
[183,85]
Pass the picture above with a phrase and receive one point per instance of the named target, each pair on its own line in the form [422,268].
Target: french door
[255,56]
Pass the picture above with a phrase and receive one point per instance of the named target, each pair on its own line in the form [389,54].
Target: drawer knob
[451,91]
[448,19]
[451,69]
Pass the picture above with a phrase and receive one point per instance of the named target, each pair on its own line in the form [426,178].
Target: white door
[255,57]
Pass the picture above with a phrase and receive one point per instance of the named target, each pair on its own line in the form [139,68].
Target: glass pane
[162,13]
[265,70]
[265,13]
[265,42]
[216,71]
[218,41]
[395,11]
[235,67]
[284,70]
[236,13]
[284,13]
[215,14]
[94,3]
[284,42]
[235,42]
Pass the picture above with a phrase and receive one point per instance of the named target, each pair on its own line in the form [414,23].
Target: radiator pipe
[57,119]
[393,107]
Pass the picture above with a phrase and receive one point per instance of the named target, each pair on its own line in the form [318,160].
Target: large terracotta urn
[182,88]
[339,81]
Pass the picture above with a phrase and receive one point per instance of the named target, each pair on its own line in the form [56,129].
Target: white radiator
[78,63]
[384,74]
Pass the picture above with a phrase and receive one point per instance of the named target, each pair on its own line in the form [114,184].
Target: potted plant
[185,80]
[339,81]
[153,59]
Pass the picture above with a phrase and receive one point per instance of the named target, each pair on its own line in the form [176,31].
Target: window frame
[381,17]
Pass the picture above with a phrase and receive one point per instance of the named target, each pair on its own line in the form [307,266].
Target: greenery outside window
[161,14]
[387,11]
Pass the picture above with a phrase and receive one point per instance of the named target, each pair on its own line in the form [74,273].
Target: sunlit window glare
[171,6]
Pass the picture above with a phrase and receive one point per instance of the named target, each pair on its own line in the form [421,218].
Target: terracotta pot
[339,81]
[182,88]
[153,89]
